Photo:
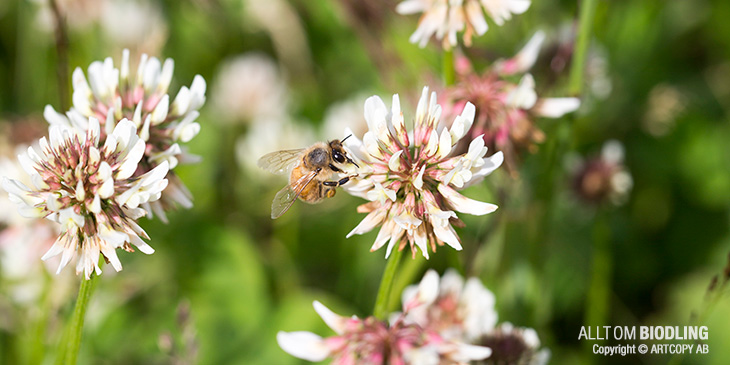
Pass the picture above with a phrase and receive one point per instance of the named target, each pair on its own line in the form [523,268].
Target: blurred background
[282,74]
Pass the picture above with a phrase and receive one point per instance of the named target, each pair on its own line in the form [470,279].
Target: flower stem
[597,306]
[73,340]
[448,67]
[386,283]
[406,275]
[62,53]
[585,24]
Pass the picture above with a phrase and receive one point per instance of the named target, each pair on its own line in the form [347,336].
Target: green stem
[76,325]
[585,23]
[448,67]
[386,283]
[597,306]
[62,53]
[406,274]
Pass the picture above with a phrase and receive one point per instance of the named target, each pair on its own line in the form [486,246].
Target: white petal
[370,141]
[304,345]
[394,163]
[447,234]
[490,164]
[556,107]
[111,255]
[396,232]
[123,132]
[197,92]
[524,95]
[428,290]
[383,235]
[467,353]
[80,191]
[151,74]
[369,222]
[107,189]
[115,238]
[124,72]
[444,147]
[129,166]
[476,17]
[451,284]
[421,108]
[525,58]
[165,76]
[374,111]
[462,123]
[418,182]
[187,130]
[95,206]
[420,238]
[144,133]
[181,103]
[54,118]
[141,245]
[56,249]
[463,204]
[160,113]
[137,116]
[411,7]
[332,319]
[27,163]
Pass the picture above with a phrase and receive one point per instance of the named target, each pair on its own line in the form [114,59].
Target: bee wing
[286,196]
[280,162]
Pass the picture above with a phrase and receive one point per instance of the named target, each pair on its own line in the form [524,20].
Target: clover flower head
[249,88]
[506,111]
[446,18]
[604,178]
[455,309]
[112,94]
[514,345]
[371,341]
[411,177]
[91,189]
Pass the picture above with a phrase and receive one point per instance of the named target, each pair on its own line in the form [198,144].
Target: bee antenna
[348,136]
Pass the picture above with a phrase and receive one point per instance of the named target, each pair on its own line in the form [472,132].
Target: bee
[311,169]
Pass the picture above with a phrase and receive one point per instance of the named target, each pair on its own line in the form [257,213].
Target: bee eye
[338,157]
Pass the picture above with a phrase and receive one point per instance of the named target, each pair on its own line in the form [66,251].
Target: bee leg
[334,168]
[342,181]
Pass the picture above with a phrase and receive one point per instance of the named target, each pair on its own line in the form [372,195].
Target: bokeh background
[285,73]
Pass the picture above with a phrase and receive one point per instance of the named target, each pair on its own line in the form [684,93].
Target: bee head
[338,152]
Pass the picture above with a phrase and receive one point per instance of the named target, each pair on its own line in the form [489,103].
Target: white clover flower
[513,345]
[249,88]
[139,25]
[112,94]
[344,115]
[446,18]
[453,308]
[371,341]
[605,177]
[80,15]
[90,189]
[411,177]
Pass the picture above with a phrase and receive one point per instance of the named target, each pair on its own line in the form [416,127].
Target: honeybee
[311,171]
